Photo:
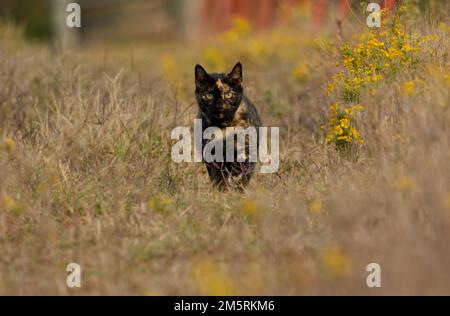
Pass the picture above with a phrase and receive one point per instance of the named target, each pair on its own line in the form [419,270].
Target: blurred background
[112,20]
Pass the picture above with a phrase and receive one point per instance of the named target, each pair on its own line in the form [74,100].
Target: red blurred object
[216,14]
[389,4]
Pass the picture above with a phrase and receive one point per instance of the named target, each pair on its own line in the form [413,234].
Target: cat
[222,103]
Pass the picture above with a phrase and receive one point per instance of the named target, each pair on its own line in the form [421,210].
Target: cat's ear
[200,75]
[236,74]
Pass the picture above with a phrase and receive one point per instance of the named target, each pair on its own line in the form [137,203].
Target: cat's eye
[228,95]
[208,96]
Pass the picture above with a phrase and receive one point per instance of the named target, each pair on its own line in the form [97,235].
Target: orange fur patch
[219,84]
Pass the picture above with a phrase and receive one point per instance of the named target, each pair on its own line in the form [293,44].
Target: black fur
[222,104]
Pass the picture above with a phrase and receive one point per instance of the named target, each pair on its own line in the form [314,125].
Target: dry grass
[86,176]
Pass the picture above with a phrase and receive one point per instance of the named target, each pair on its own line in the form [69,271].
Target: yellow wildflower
[405,184]
[377,78]
[240,28]
[330,88]
[349,111]
[408,48]
[315,206]
[335,261]
[9,204]
[300,71]
[408,87]
[344,137]
[354,133]
[214,58]
[248,207]
[169,69]
[344,123]
[447,78]
[258,47]
[397,137]
[338,130]
[211,279]
[9,144]
[160,204]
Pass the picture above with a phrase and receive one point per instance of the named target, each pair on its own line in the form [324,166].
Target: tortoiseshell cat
[222,104]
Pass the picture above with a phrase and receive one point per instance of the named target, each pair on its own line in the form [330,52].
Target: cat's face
[218,95]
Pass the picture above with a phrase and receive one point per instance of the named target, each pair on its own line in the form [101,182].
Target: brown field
[86,174]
